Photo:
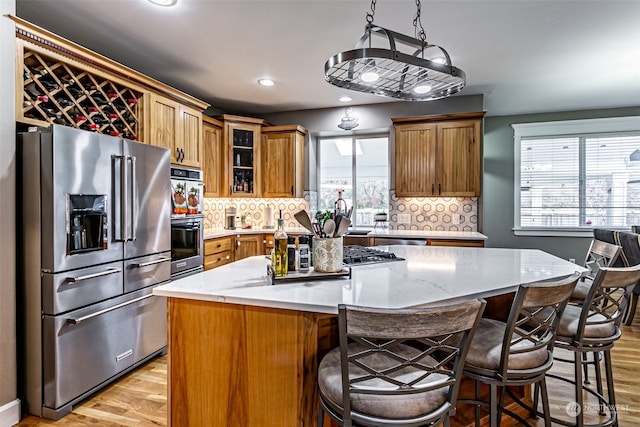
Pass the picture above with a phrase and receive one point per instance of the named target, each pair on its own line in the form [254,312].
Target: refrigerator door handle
[134,198]
[146,264]
[117,163]
[123,199]
[77,320]
[94,275]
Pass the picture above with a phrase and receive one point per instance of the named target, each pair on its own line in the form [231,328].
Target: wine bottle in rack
[99,98]
[49,83]
[77,91]
[33,90]
[37,72]
[64,102]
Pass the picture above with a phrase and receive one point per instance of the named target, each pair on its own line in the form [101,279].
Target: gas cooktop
[360,255]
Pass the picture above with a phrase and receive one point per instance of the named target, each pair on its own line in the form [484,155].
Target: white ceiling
[525,56]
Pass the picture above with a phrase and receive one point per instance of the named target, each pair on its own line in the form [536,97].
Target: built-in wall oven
[187,222]
[187,246]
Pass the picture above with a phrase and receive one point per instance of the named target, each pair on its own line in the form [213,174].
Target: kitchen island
[243,352]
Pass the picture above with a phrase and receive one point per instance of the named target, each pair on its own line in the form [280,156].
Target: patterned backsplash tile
[428,213]
[214,210]
[434,213]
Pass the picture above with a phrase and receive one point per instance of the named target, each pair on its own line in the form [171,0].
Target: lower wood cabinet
[454,242]
[218,252]
[248,245]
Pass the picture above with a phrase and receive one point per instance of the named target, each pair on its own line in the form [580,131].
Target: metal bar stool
[396,367]
[518,352]
[593,327]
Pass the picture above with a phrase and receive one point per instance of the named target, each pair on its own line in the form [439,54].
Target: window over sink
[359,166]
[573,176]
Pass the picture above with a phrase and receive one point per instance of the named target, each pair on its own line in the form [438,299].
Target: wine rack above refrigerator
[58,92]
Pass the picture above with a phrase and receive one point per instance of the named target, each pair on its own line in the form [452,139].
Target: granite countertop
[428,275]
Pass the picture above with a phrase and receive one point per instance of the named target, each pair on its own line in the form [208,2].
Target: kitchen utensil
[329,227]
[304,220]
[317,230]
[344,225]
[349,212]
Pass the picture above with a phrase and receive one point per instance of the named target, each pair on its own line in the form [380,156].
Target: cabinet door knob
[439,190]
[432,188]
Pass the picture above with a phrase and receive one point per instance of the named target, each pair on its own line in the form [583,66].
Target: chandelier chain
[417,20]
[371,14]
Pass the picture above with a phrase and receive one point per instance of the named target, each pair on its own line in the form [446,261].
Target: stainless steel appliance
[187,246]
[187,222]
[359,255]
[95,240]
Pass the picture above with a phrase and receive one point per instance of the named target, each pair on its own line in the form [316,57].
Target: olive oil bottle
[279,259]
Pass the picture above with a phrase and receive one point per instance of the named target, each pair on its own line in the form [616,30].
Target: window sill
[554,232]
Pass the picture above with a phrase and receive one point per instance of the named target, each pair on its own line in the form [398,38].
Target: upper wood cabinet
[213,155]
[242,144]
[178,128]
[63,82]
[283,161]
[438,156]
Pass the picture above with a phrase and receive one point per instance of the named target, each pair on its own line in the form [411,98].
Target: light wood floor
[139,399]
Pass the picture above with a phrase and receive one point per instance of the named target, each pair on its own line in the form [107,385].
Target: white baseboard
[10,413]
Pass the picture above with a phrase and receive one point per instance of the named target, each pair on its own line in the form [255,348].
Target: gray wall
[8,393]
[498,186]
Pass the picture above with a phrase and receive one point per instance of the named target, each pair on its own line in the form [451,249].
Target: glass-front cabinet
[242,137]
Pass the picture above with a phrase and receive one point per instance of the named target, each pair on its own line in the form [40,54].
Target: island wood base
[238,365]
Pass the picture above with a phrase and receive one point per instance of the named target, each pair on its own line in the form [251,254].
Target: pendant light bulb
[369,72]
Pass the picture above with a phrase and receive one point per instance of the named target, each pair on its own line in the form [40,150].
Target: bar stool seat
[396,367]
[593,327]
[487,349]
[519,351]
[380,405]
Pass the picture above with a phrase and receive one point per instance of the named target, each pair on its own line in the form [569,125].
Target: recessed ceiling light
[266,82]
[345,99]
[164,2]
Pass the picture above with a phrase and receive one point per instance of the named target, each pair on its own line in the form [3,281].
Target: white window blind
[577,175]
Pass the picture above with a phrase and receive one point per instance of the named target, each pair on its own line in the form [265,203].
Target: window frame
[566,128]
[354,138]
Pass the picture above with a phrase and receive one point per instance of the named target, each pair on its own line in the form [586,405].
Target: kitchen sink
[357,232]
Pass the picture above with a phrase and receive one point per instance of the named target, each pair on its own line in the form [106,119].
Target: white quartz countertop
[424,234]
[428,275]
[211,233]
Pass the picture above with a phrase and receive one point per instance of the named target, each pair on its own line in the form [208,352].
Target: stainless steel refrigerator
[93,240]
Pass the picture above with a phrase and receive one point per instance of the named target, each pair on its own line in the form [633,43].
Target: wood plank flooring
[139,398]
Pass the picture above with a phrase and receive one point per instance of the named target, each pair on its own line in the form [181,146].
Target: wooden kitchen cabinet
[283,161]
[218,252]
[60,81]
[242,141]
[248,245]
[438,156]
[178,128]
[213,155]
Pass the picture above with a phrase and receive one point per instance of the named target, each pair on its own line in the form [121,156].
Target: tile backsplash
[214,210]
[433,213]
[405,213]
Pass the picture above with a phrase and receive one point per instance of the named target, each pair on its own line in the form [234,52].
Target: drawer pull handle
[106,310]
[147,264]
[94,275]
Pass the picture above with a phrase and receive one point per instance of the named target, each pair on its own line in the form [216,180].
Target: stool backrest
[441,334]
[601,254]
[533,323]
[607,300]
